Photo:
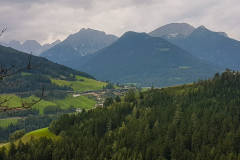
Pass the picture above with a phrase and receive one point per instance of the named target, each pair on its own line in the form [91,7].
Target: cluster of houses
[97,93]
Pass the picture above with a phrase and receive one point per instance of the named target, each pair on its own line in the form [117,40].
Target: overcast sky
[49,20]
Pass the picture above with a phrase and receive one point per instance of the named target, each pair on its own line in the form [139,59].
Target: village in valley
[100,95]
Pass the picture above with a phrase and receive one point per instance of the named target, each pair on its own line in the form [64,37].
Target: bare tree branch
[3,31]
[6,72]
[24,104]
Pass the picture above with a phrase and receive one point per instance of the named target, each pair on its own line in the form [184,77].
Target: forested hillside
[195,121]
[30,80]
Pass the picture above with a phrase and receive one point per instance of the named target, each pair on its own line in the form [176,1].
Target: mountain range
[30,46]
[85,42]
[215,47]
[131,58]
[145,60]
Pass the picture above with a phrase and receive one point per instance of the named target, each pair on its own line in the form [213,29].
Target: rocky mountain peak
[173,29]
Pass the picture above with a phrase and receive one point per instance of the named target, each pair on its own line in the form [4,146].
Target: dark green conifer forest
[194,121]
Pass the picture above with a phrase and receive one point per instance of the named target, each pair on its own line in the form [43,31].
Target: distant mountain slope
[173,30]
[140,58]
[85,42]
[212,46]
[30,46]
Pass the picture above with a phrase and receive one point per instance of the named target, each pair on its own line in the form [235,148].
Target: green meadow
[7,122]
[12,100]
[40,105]
[77,102]
[87,84]
[44,132]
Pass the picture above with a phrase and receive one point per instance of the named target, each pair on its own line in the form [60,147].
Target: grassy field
[6,122]
[36,135]
[40,105]
[44,132]
[14,101]
[77,102]
[87,84]
[60,82]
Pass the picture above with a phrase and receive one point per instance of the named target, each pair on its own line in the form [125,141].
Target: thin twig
[3,31]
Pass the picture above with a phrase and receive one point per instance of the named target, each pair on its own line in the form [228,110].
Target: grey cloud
[67,3]
[47,21]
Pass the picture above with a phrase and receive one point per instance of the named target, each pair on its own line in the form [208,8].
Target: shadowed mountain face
[30,46]
[215,47]
[145,60]
[85,42]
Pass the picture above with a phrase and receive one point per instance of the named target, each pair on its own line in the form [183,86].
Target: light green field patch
[13,100]
[184,67]
[87,84]
[60,82]
[77,102]
[39,105]
[44,132]
[6,122]
[26,74]
[145,89]
[162,49]
[16,101]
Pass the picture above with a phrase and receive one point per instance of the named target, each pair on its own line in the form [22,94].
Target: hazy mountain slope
[140,58]
[212,46]
[85,42]
[173,30]
[30,46]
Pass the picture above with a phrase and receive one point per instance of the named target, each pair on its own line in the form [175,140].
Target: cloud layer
[47,21]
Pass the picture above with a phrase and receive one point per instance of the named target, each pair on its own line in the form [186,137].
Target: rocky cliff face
[88,41]
[84,42]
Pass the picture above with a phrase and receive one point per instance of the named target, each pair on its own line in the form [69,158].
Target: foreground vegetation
[197,121]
